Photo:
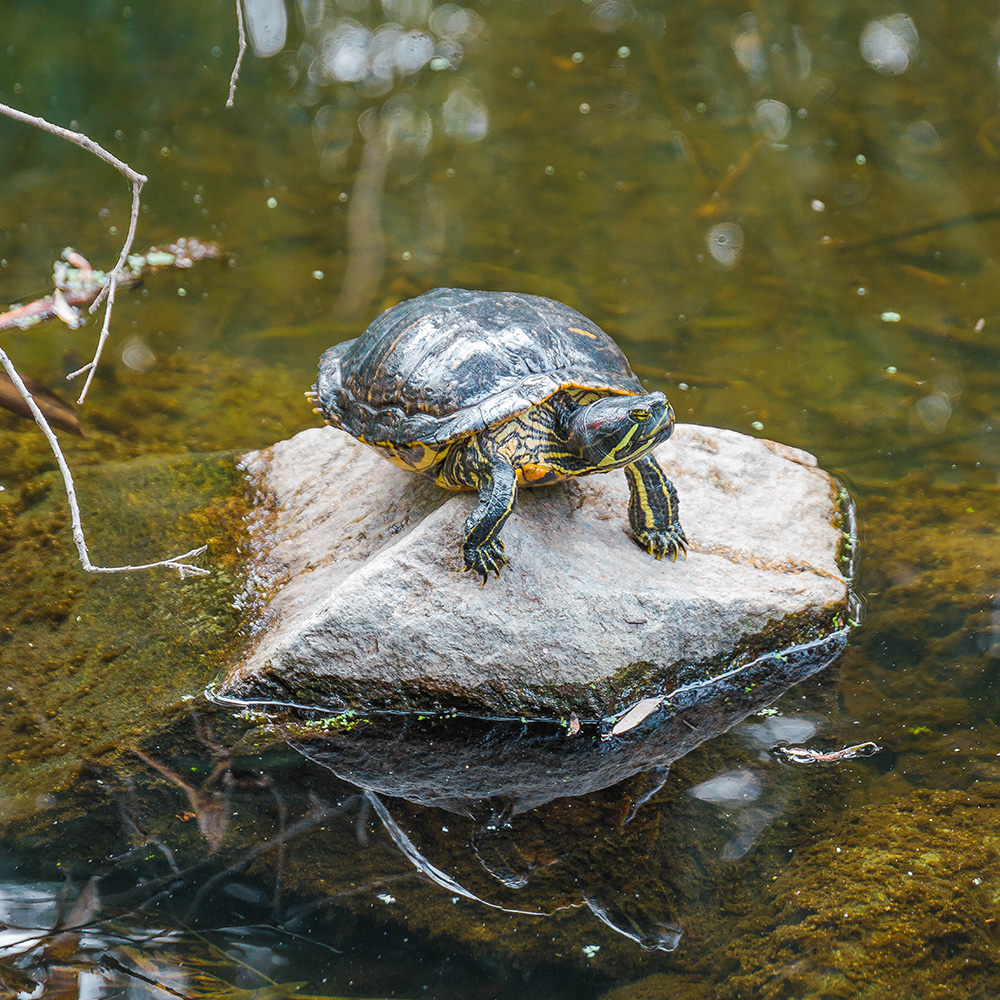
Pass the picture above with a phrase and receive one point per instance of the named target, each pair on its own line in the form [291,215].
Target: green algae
[899,898]
[186,403]
[932,620]
[776,928]
[888,886]
[89,663]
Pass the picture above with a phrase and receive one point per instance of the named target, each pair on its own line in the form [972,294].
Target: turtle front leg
[652,510]
[482,548]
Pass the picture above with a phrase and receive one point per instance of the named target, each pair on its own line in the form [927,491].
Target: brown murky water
[787,214]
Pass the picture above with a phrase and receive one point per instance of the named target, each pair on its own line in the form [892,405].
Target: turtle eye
[640,414]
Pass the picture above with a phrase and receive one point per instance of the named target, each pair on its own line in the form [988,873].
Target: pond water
[787,214]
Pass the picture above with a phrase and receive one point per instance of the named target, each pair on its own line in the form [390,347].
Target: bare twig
[91,366]
[136,179]
[175,562]
[239,56]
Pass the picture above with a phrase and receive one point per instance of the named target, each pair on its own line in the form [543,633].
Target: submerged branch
[873,242]
[57,411]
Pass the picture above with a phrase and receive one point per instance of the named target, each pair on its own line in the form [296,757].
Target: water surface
[787,216]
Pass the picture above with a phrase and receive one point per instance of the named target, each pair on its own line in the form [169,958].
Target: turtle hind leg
[482,548]
[652,510]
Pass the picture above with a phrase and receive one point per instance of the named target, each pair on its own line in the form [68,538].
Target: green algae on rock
[90,663]
[898,899]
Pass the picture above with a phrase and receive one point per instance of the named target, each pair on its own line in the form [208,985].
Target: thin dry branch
[239,56]
[174,562]
[136,179]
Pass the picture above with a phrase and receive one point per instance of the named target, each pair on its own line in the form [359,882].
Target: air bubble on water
[773,120]
[725,243]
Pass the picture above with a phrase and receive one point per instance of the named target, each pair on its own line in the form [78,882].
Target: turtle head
[617,430]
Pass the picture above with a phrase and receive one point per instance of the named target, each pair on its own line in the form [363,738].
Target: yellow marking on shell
[427,458]
[416,458]
[583,394]
[585,333]
[400,463]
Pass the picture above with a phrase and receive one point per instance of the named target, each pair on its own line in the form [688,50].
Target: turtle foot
[485,558]
[668,542]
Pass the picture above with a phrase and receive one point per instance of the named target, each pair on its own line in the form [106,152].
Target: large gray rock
[367,606]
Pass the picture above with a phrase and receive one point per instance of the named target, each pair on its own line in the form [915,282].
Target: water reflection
[377,55]
[358,71]
[732,786]
[889,44]
[493,773]
[267,26]
[423,825]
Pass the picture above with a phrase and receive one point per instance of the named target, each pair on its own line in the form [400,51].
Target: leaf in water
[110,963]
[57,411]
[636,714]
[198,984]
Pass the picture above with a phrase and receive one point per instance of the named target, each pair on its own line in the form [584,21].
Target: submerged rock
[369,608]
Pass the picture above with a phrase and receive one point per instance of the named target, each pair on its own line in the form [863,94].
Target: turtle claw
[484,558]
[668,542]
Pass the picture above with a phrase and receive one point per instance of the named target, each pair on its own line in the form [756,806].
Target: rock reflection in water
[551,814]
[387,835]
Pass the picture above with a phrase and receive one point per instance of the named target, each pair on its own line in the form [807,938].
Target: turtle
[492,391]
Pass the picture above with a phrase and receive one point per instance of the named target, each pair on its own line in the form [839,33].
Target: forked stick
[137,181]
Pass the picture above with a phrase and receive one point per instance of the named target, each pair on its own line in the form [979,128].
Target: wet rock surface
[368,607]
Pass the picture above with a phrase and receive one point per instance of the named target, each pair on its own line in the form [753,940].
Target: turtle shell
[453,362]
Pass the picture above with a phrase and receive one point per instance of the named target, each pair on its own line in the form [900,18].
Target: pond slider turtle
[487,391]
